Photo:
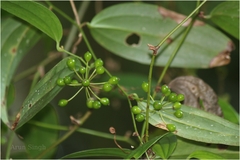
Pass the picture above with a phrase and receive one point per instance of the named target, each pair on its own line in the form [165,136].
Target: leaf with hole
[34,146]
[42,93]
[226,16]
[100,152]
[17,39]
[37,15]
[196,125]
[126,29]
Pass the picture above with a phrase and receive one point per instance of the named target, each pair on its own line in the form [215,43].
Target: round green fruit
[90,103]
[178,113]
[98,63]
[145,86]
[180,97]
[157,105]
[171,127]
[71,63]
[140,117]
[172,97]
[96,105]
[60,82]
[87,56]
[107,87]
[100,70]
[105,101]
[63,102]
[177,105]
[113,80]
[86,82]
[136,110]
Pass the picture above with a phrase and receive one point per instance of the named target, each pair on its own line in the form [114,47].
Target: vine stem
[180,24]
[64,137]
[169,61]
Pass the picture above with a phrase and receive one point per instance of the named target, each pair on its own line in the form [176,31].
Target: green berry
[157,105]
[90,103]
[67,79]
[96,104]
[180,97]
[178,113]
[113,80]
[107,87]
[172,97]
[86,82]
[82,70]
[164,89]
[71,63]
[145,86]
[60,82]
[140,117]
[63,102]
[171,127]
[98,63]
[168,92]
[74,81]
[104,101]
[87,56]
[177,105]
[100,70]
[136,110]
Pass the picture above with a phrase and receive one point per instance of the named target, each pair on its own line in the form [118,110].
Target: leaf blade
[113,26]
[37,15]
[197,125]
[226,16]
[42,93]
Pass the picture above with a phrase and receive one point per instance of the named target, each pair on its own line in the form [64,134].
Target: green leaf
[228,152]
[204,155]
[17,39]
[42,93]
[138,152]
[100,152]
[229,112]
[226,16]
[196,125]
[34,143]
[118,26]
[37,15]
[165,146]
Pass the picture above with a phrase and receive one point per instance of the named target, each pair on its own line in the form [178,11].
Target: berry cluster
[168,97]
[84,76]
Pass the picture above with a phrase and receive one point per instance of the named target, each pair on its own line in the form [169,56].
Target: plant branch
[179,45]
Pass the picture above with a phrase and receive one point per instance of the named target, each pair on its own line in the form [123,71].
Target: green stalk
[180,44]
[83,130]
[148,95]
[64,137]
[10,140]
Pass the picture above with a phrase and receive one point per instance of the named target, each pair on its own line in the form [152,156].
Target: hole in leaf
[133,39]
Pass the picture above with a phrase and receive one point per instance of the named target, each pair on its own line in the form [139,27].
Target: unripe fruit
[157,105]
[86,82]
[90,103]
[98,63]
[87,56]
[67,80]
[180,97]
[113,80]
[100,70]
[82,70]
[178,114]
[60,82]
[177,105]
[71,63]
[145,86]
[172,97]
[171,127]
[104,101]
[140,117]
[136,110]
[63,102]
[107,87]
[96,105]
